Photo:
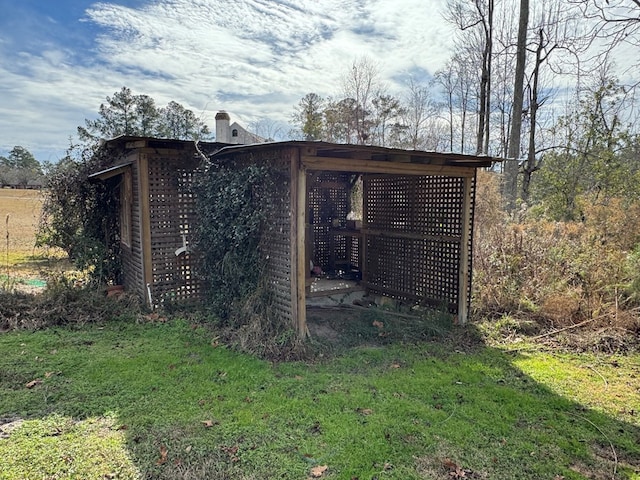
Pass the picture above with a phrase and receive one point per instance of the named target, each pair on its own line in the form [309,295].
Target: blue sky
[254,58]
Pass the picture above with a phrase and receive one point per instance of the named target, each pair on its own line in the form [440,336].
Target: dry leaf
[188,448]
[378,324]
[163,455]
[317,472]
[395,365]
[449,464]
[33,383]
[210,423]
[365,411]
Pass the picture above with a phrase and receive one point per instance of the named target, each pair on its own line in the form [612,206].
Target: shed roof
[132,141]
[365,152]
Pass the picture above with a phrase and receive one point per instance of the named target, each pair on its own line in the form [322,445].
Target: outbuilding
[397,223]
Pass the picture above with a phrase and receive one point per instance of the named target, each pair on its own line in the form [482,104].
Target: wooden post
[465,254]
[145,226]
[362,253]
[299,264]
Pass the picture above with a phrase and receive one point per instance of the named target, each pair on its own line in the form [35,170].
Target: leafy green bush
[80,216]
[232,205]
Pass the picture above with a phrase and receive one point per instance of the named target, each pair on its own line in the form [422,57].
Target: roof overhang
[110,172]
[349,152]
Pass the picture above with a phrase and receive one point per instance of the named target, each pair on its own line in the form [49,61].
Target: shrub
[558,273]
[80,216]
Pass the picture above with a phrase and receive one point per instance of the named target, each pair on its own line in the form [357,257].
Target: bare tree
[387,115]
[420,117]
[510,180]
[362,85]
[480,16]
[267,128]
[458,85]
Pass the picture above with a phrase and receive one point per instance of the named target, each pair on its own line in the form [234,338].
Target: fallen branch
[606,384]
[378,310]
[570,327]
[613,450]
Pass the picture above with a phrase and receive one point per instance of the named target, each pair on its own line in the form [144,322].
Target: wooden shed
[411,239]
[153,179]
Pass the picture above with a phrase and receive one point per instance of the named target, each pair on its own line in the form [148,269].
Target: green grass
[164,400]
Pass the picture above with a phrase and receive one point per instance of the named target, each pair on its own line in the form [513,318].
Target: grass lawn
[165,400]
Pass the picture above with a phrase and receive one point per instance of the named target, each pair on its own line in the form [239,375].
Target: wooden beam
[362,253]
[145,226]
[298,245]
[373,166]
[136,144]
[465,254]
[293,238]
[409,235]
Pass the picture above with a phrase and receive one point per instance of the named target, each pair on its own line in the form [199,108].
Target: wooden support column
[299,265]
[145,227]
[465,254]
[363,238]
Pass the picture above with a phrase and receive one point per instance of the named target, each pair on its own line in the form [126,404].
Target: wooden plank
[399,293]
[363,239]
[298,251]
[302,267]
[372,166]
[145,224]
[136,144]
[410,235]
[293,238]
[463,277]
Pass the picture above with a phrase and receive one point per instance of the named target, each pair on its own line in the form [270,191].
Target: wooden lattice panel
[171,209]
[413,234]
[133,276]
[328,203]
[275,244]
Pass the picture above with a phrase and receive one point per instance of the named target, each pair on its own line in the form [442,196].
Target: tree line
[540,93]
[20,169]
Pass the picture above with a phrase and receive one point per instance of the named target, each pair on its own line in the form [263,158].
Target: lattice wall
[171,209]
[328,203]
[133,276]
[275,244]
[413,232]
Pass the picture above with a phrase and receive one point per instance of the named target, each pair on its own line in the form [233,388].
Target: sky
[60,59]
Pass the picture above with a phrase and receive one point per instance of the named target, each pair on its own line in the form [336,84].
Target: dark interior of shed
[334,206]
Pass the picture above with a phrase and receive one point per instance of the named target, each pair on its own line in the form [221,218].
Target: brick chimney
[222,127]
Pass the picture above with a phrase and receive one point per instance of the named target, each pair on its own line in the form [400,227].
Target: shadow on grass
[378,406]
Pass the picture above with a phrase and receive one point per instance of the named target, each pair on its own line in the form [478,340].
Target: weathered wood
[410,235]
[294,172]
[145,223]
[373,166]
[465,254]
[363,239]
[298,223]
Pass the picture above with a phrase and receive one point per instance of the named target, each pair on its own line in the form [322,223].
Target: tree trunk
[510,186]
[531,165]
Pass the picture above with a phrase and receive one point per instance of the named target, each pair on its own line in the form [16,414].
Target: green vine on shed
[233,205]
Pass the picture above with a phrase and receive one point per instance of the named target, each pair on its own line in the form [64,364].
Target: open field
[165,400]
[20,214]
[21,262]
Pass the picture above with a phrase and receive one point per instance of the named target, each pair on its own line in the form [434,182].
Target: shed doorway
[333,239]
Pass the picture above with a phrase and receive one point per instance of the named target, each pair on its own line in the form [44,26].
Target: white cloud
[254,58]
